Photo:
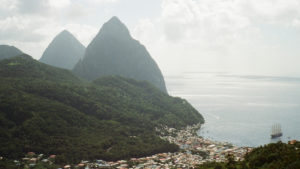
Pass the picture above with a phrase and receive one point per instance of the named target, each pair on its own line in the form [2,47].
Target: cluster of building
[194,150]
[189,141]
[31,159]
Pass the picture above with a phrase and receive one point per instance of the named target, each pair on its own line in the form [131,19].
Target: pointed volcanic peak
[64,51]
[7,51]
[114,52]
[114,28]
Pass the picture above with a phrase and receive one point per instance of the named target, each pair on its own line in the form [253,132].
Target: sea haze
[241,109]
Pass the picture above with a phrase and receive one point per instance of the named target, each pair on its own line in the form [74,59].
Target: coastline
[194,151]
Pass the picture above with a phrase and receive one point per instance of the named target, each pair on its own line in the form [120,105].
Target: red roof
[292,141]
[31,153]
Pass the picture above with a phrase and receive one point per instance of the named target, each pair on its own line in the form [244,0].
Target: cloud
[189,19]
[8,5]
[222,20]
[32,6]
[30,25]
[77,11]
[271,10]
[40,6]
[207,23]
[296,23]
[21,29]
[206,35]
[223,35]
[59,3]
[101,1]
[84,33]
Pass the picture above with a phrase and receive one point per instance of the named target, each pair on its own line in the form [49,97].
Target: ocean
[241,109]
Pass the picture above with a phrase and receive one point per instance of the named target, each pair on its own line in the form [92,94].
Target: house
[292,142]
[30,154]
[67,166]
[52,156]
[33,160]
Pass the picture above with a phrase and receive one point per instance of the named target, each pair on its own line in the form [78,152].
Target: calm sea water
[241,109]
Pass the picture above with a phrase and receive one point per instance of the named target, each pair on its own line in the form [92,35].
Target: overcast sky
[235,36]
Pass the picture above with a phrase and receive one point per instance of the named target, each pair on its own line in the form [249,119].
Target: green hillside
[48,110]
[7,51]
[272,156]
[24,67]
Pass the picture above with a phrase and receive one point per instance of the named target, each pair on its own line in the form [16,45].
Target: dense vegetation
[10,164]
[272,156]
[48,110]
[114,52]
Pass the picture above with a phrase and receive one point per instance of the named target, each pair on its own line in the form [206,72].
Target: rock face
[64,51]
[9,51]
[114,52]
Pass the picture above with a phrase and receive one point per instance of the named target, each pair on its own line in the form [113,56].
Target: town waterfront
[194,151]
[241,109]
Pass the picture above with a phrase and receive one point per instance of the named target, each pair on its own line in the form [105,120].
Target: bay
[241,109]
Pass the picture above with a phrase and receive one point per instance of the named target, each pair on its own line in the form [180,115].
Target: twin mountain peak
[112,52]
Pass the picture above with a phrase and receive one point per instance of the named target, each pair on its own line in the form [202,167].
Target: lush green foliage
[48,110]
[275,155]
[272,156]
[10,164]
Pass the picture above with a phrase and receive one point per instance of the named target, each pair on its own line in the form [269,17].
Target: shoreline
[194,150]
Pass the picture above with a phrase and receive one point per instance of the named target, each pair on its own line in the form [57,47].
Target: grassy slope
[272,156]
[48,110]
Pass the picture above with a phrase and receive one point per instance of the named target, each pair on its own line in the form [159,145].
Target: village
[194,150]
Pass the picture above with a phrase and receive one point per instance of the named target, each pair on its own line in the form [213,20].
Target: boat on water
[276,131]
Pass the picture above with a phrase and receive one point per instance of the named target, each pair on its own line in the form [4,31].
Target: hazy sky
[237,36]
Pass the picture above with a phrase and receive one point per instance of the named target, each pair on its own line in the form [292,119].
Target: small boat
[276,131]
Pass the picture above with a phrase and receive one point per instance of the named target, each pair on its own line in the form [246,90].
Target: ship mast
[276,129]
[279,128]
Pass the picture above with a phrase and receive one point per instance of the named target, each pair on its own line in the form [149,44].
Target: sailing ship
[276,131]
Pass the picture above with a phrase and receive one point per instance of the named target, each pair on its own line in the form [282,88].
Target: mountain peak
[64,51]
[7,51]
[65,35]
[114,19]
[114,27]
[65,32]
[114,52]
